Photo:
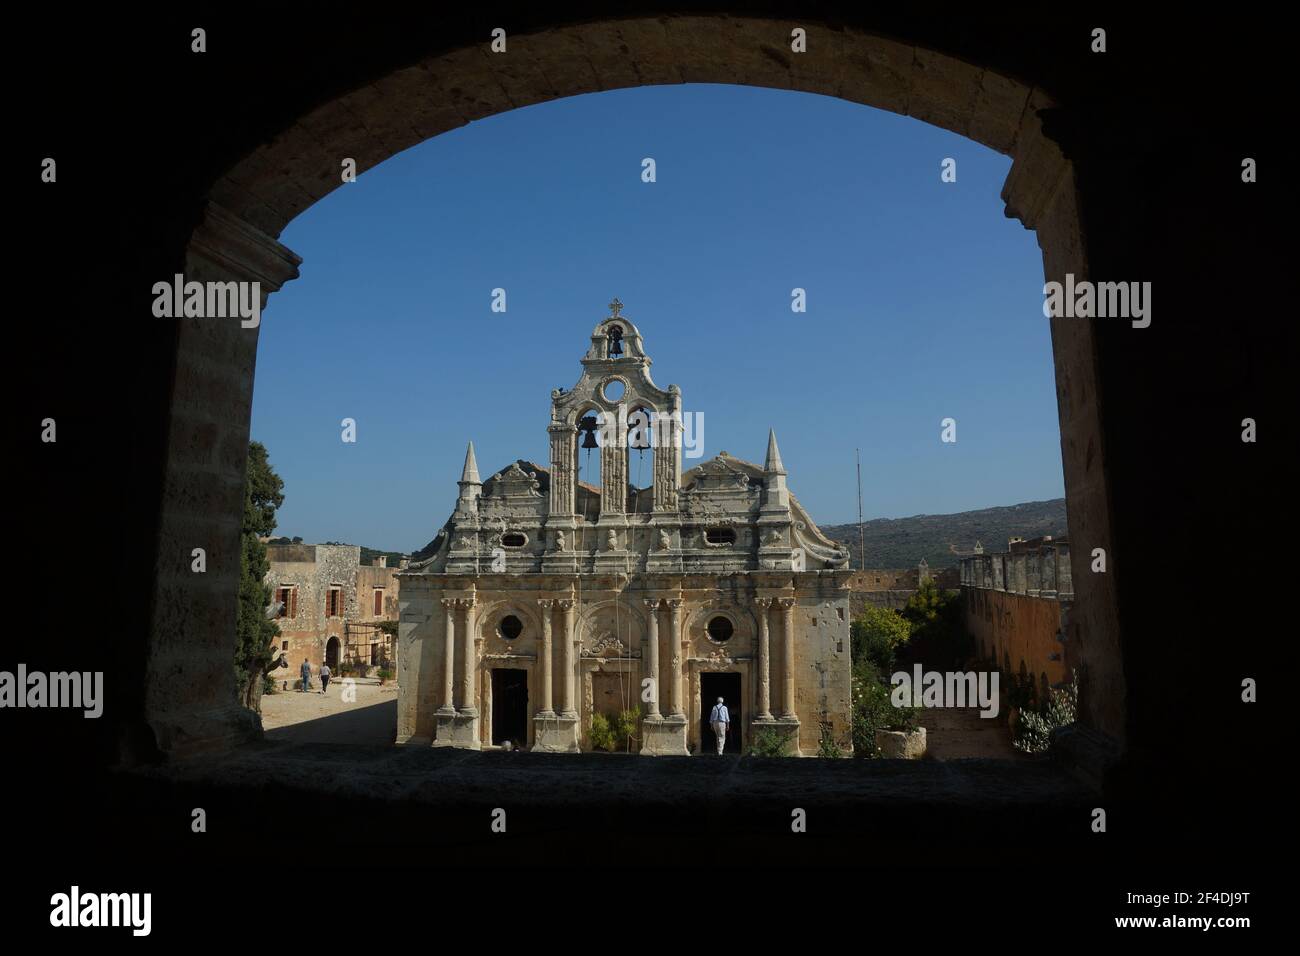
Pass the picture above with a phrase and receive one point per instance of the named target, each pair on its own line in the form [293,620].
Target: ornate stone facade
[544,599]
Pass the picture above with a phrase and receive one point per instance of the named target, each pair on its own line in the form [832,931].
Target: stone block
[556,735]
[665,737]
[456,730]
[901,745]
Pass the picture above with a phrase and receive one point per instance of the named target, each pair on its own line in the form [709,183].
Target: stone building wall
[311,570]
[1019,632]
[611,635]
[890,588]
[1016,605]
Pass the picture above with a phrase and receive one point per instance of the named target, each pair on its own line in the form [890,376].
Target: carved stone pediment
[719,475]
[514,482]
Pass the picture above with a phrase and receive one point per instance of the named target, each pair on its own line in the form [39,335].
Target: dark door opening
[510,706]
[332,653]
[726,686]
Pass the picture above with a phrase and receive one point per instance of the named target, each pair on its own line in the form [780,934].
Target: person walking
[305,670]
[324,677]
[720,718]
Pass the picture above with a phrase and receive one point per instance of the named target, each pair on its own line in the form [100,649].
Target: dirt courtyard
[371,718]
[313,717]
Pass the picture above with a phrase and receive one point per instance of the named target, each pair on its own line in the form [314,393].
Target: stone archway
[251,202]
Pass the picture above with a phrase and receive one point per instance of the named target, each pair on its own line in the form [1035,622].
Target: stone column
[667,458]
[469,682]
[652,664]
[1065,588]
[1035,572]
[449,660]
[547,659]
[567,707]
[675,653]
[787,646]
[562,476]
[613,463]
[764,661]
[1047,588]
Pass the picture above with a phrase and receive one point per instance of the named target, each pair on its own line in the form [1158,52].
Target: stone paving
[954,733]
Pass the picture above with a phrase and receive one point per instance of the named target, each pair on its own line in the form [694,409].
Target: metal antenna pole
[862,550]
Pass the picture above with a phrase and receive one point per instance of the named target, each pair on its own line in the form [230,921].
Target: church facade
[547,599]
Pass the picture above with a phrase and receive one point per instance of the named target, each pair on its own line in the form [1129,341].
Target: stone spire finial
[773,464]
[470,473]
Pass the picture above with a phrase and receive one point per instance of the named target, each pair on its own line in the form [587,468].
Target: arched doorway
[332,653]
[252,200]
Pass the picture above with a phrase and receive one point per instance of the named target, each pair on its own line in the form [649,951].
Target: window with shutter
[379,602]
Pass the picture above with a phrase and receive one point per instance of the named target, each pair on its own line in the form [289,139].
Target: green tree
[256,635]
[939,635]
[925,605]
[875,637]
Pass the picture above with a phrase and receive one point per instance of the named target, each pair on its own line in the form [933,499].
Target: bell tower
[615,407]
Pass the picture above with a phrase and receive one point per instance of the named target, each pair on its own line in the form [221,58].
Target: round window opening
[613,390]
[720,629]
[511,627]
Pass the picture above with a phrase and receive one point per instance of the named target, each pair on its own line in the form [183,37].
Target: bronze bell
[615,342]
[588,426]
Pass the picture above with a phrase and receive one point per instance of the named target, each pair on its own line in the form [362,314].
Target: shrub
[826,745]
[268,684]
[1033,732]
[384,674]
[624,728]
[874,710]
[770,742]
[602,734]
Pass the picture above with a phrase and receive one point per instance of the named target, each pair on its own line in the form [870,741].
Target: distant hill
[903,542]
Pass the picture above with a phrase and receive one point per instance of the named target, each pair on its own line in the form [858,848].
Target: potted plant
[901,738]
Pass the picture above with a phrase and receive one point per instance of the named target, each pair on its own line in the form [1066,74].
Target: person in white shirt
[720,718]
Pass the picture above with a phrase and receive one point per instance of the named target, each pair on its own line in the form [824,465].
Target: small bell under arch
[614,347]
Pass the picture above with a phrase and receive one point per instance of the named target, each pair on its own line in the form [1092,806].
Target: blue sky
[924,302]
